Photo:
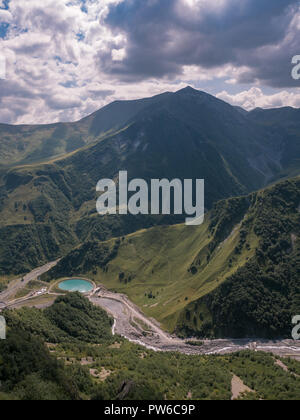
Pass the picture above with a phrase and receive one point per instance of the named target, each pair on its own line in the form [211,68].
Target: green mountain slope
[27,369]
[48,208]
[237,275]
[284,122]
[263,296]
[28,144]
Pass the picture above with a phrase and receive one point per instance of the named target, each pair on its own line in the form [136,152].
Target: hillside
[68,353]
[48,208]
[27,369]
[27,144]
[237,275]
[284,122]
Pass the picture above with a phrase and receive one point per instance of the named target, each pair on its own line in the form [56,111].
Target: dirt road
[18,284]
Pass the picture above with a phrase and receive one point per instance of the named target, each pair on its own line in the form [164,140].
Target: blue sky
[67,58]
[4,25]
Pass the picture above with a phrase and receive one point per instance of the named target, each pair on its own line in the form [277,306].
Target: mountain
[28,144]
[47,207]
[237,275]
[234,132]
[283,122]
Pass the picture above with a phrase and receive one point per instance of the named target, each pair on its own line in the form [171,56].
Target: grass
[152,269]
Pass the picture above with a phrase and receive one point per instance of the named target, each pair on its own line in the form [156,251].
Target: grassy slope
[59,196]
[37,143]
[26,144]
[261,298]
[162,269]
[246,251]
[159,261]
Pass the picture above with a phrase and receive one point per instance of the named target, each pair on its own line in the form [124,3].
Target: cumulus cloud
[50,50]
[65,59]
[5,16]
[255,98]
[261,35]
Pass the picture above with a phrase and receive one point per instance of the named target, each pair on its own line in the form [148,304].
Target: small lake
[76,285]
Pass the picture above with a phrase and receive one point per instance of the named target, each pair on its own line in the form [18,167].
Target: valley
[132,324]
[67,351]
[170,287]
[234,276]
[192,279]
[149,203]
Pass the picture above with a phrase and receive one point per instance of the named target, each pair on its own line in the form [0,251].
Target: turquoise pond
[76,285]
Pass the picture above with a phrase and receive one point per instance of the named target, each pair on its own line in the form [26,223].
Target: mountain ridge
[37,143]
[50,205]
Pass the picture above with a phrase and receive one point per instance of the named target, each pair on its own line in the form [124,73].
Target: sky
[66,59]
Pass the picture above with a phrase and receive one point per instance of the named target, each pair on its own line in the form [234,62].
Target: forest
[67,352]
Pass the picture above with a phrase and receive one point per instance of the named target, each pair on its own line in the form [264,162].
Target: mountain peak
[188,90]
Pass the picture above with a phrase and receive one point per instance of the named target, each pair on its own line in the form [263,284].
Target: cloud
[54,72]
[51,71]
[118,55]
[67,58]
[255,98]
[5,16]
[261,35]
